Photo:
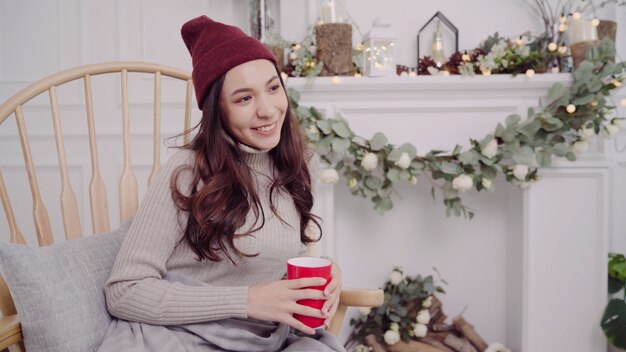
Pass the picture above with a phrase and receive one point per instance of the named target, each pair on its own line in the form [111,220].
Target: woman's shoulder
[181,156]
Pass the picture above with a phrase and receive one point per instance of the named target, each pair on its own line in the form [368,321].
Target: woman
[206,254]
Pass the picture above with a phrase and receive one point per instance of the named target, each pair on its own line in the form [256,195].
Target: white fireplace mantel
[531,268]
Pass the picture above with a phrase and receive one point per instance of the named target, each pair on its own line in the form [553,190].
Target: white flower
[369,162]
[395,277]
[365,310]
[423,316]
[610,130]
[586,133]
[420,330]
[404,161]
[497,347]
[413,180]
[620,122]
[352,183]
[462,183]
[486,182]
[391,337]
[312,49]
[361,348]
[490,150]
[580,147]
[427,302]
[293,55]
[520,171]
[329,176]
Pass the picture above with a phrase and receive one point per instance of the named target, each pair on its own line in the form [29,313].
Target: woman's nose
[265,109]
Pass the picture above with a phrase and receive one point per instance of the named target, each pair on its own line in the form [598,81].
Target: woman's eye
[275,88]
[243,99]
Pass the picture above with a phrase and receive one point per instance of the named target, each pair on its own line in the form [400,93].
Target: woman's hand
[331,294]
[277,301]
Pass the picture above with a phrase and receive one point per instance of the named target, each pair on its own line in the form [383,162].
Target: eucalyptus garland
[517,149]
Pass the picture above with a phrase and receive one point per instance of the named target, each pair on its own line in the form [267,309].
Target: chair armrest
[10,331]
[361,298]
[354,298]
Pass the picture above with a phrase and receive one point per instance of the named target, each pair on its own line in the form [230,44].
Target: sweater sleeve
[136,290]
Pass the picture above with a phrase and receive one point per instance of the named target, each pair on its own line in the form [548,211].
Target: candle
[581,30]
[330,12]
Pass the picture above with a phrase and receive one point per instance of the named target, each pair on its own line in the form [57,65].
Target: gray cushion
[59,290]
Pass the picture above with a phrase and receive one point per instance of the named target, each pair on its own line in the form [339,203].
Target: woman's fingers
[300,326]
[308,293]
[305,282]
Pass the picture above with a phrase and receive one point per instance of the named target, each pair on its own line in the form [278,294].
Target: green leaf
[543,158]
[615,285]
[529,129]
[341,129]
[469,157]
[340,145]
[450,168]
[614,322]
[551,123]
[585,99]
[373,183]
[409,149]
[324,126]
[323,147]
[304,111]
[293,94]
[378,141]
[488,171]
[512,120]
[560,149]
[393,175]
[557,91]
[524,155]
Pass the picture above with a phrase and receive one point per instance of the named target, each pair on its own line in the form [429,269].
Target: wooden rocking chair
[10,330]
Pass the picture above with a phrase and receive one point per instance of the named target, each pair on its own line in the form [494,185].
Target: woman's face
[254,104]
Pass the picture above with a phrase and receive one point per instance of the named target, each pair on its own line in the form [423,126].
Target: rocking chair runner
[10,329]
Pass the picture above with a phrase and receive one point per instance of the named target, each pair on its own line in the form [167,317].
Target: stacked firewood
[459,336]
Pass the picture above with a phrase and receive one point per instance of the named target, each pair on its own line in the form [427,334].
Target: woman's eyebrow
[241,90]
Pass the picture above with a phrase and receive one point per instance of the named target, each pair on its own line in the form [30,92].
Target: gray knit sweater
[136,290]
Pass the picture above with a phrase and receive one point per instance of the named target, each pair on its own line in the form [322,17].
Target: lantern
[378,57]
[438,43]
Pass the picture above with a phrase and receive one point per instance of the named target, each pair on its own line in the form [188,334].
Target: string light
[616,83]
[562,49]
[623,102]
[403,74]
[576,16]
[552,46]
[595,22]
[530,72]
[593,103]
[335,79]
[445,73]
[296,47]
[555,69]
[283,75]
[486,72]
[465,57]
[412,74]
[562,27]
[562,19]
[358,75]
[571,108]
[359,47]
[519,41]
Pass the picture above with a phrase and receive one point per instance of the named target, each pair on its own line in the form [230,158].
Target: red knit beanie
[215,48]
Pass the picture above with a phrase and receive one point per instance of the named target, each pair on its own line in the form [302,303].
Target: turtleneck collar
[251,155]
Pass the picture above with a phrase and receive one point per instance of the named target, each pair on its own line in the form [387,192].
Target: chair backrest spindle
[14,231]
[40,214]
[156,135]
[69,205]
[129,198]
[97,190]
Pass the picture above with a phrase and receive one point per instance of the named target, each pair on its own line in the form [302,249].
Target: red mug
[310,267]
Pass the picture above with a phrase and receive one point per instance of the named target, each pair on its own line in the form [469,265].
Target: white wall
[40,37]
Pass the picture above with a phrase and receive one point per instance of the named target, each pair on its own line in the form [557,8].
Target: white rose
[619,122]
[365,310]
[329,176]
[462,183]
[427,302]
[404,162]
[497,347]
[586,133]
[413,180]
[420,330]
[610,131]
[520,171]
[423,316]
[293,56]
[580,147]
[395,277]
[391,337]
[369,162]
[491,149]
[486,183]
[361,348]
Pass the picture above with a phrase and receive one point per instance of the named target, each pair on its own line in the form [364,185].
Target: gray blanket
[237,335]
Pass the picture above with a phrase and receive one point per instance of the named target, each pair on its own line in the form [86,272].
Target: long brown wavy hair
[218,208]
